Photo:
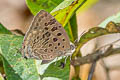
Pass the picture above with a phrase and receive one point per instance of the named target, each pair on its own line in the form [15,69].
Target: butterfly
[45,39]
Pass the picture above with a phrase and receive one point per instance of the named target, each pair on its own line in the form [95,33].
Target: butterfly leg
[70,57]
[66,59]
[56,61]
[62,64]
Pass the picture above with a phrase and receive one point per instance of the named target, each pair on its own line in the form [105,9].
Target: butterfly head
[70,50]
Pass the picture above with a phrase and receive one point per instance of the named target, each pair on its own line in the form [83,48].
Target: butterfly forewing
[46,39]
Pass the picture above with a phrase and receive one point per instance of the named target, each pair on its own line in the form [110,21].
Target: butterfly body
[45,39]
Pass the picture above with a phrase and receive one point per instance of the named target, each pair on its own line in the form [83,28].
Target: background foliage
[18,68]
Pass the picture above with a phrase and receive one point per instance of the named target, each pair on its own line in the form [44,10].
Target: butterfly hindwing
[45,39]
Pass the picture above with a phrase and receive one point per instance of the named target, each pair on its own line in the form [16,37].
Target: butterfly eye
[72,47]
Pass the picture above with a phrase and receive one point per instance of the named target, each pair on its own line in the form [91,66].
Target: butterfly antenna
[76,41]
[82,33]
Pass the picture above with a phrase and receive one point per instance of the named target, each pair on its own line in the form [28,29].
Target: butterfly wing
[45,39]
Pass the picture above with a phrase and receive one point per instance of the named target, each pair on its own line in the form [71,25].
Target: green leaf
[63,5]
[1,65]
[114,18]
[51,78]
[74,28]
[63,12]
[64,15]
[3,30]
[55,69]
[67,16]
[93,33]
[71,29]
[67,3]
[1,78]
[74,78]
[99,31]
[16,67]
[109,28]
[36,5]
